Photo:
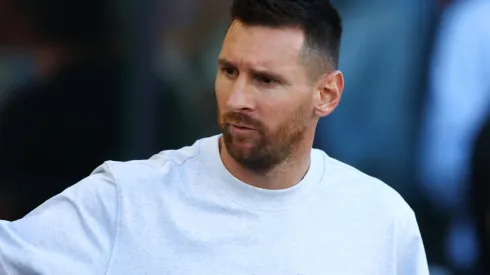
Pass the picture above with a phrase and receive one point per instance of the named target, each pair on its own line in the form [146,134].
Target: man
[256,200]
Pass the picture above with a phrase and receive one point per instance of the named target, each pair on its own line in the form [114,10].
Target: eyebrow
[261,73]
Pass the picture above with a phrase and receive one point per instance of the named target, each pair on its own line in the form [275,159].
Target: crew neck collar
[254,197]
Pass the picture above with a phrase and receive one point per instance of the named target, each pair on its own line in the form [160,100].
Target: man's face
[264,95]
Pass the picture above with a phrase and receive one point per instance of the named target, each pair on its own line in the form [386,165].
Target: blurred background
[82,82]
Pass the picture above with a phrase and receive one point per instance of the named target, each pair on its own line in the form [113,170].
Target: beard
[261,150]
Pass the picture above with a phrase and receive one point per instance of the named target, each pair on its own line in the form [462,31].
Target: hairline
[315,61]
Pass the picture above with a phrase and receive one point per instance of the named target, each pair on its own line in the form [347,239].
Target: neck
[287,174]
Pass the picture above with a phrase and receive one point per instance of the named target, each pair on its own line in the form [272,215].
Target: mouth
[239,128]
[243,127]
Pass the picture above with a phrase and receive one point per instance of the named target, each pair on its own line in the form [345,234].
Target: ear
[328,93]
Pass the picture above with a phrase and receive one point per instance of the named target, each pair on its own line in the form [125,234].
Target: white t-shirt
[181,212]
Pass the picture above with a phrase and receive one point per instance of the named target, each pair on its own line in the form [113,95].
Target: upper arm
[411,257]
[72,232]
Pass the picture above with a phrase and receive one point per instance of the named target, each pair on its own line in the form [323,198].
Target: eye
[229,72]
[264,80]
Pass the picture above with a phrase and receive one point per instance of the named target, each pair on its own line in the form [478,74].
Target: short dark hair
[319,20]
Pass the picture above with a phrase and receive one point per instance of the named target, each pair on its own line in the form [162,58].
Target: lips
[243,127]
[240,129]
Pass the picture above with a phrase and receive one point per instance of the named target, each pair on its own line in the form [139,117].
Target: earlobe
[329,92]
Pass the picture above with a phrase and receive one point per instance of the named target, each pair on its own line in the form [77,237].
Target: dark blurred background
[82,82]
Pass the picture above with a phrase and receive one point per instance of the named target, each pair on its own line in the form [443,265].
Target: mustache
[243,119]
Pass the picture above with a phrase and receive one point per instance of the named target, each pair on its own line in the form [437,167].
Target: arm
[411,258]
[72,233]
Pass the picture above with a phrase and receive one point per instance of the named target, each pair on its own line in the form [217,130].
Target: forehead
[258,46]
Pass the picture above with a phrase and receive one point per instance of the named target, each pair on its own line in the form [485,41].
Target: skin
[268,104]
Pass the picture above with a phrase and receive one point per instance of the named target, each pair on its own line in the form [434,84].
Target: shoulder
[164,165]
[367,193]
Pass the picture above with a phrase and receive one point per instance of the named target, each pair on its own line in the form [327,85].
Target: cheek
[275,116]
[289,117]
[220,88]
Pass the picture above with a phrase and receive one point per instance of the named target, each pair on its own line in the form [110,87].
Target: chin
[242,146]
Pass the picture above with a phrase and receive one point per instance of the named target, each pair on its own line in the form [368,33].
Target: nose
[241,97]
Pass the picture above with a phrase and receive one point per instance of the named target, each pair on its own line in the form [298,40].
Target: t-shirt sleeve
[72,233]
[411,257]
